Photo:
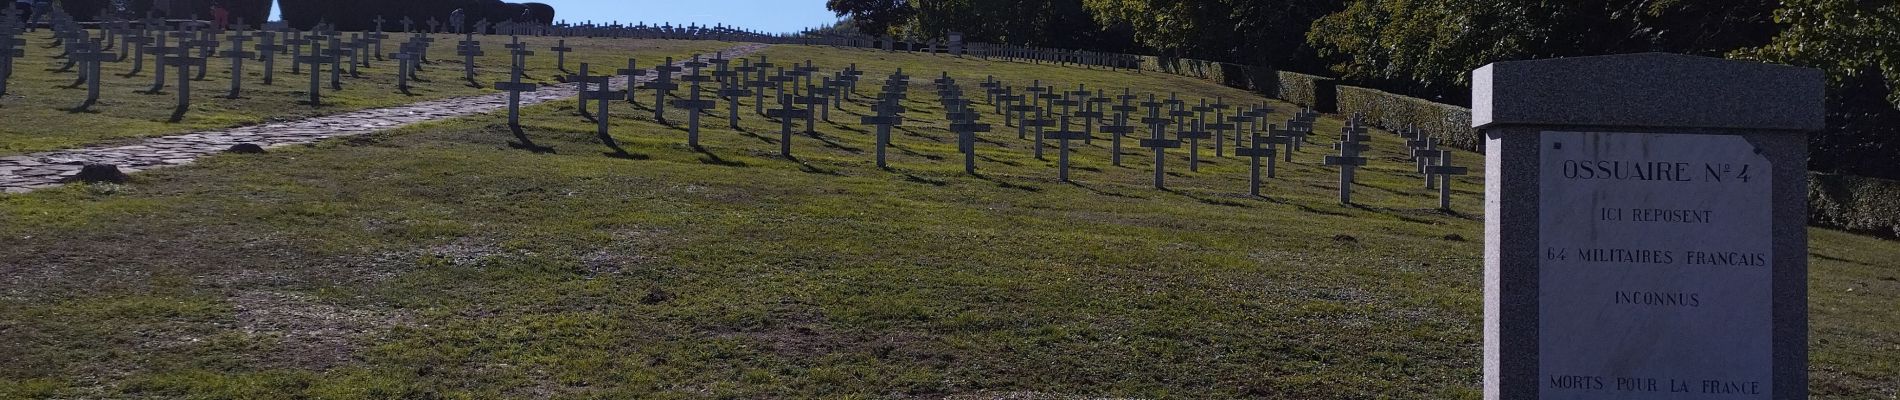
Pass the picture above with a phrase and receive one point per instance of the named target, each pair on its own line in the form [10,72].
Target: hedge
[1854,203]
[1452,124]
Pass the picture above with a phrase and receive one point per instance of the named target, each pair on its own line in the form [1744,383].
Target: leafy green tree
[874,17]
[1267,32]
[1857,43]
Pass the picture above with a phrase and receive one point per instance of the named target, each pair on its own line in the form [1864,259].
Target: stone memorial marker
[1646,227]
[336,52]
[1348,161]
[295,46]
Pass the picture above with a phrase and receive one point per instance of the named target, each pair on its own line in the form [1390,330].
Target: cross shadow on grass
[1207,200]
[522,142]
[1005,184]
[708,157]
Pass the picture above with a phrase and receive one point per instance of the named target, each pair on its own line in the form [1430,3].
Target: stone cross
[1159,141]
[758,96]
[1121,126]
[785,114]
[602,97]
[1092,106]
[10,49]
[1196,131]
[207,47]
[887,117]
[266,52]
[693,104]
[1254,153]
[469,48]
[661,84]
[89,57]
[295,46]
[1444,171]
[336,53]
[560,50]
[160,51]
[730,89]
[434,26]
[514,86]
[408,25]
[1063,136]
[633,72]
[237,55]
[358,58]
[184,62]
[135,40]
[1424,153]
[405,57]
[1221,125]
[963,122]
[316,59]
[1347,161]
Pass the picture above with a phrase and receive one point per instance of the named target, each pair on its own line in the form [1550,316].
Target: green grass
[439,261]
[39,102]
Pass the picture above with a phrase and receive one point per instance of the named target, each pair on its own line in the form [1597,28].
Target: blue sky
[765,15]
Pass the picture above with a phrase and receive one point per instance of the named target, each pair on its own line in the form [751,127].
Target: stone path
[24,173]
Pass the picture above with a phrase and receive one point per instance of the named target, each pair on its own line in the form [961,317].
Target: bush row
[1452,124]
[1854,203]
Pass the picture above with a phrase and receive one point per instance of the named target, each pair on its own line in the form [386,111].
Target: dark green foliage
[874,17]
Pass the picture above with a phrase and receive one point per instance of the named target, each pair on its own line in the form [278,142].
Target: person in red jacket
[220,17]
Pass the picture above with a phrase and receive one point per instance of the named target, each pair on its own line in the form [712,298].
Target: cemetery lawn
[440,261]
[37,109]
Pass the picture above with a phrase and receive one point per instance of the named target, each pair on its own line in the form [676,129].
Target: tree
[1428,47]
[1267,32]
[874,17]
[1857,43]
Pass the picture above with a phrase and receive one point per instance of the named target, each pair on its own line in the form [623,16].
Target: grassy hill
[440,261]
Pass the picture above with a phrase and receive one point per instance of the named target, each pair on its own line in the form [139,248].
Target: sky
[776,16]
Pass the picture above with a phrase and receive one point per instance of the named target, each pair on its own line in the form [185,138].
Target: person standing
[220,17]
[455,20]
[40,8]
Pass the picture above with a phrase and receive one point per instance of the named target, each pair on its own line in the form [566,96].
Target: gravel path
[25,173]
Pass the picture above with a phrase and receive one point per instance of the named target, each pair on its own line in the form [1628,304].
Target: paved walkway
[20,174]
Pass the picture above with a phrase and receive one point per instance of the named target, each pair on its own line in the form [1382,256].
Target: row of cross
[1039,113]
